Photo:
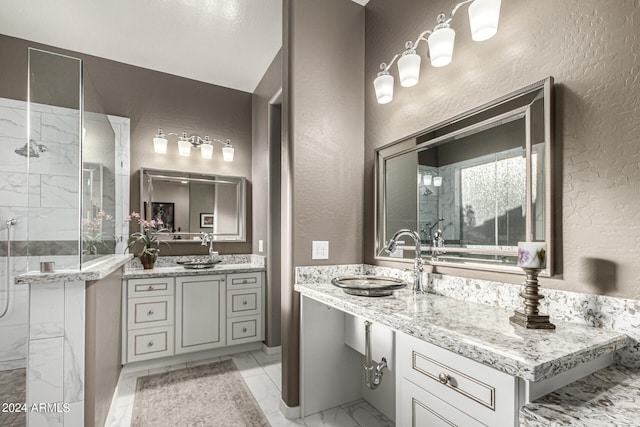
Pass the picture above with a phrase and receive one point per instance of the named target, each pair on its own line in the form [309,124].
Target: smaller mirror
[190,204]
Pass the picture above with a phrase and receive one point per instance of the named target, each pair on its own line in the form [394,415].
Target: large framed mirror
[190,204]
[472,187]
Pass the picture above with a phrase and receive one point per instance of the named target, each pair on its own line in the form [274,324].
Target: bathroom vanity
[170,310]
[450,362]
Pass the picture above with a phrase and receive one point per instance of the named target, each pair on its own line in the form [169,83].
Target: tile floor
[13,390]
[262,373]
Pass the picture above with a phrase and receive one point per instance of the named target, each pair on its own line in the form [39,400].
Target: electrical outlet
[260,245]
[320,249]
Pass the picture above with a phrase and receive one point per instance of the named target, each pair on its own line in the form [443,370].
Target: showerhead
[31,149]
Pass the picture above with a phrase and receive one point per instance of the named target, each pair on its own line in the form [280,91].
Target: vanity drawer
[155,286]
[244,280]
[244,302]
[150,312]
[149,343]
[244,329]
[486,394]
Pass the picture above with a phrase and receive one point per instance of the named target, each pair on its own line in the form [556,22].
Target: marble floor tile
[265,392]
[335,417]
[366,415]
[266,359]
[203,362]
[247,364]
[169,368]
[121,417]
[274,371]
[277,419]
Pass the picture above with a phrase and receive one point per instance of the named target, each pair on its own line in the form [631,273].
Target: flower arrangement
[148,238]
[92,237]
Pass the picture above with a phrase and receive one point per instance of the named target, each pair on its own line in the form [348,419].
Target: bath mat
[209,395]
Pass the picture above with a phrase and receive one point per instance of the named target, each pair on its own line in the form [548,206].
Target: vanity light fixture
[437,181]
[186,143]
[483,20]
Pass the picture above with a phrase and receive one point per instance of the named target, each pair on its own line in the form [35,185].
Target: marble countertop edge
[474,347]
[139,273]
[97,271]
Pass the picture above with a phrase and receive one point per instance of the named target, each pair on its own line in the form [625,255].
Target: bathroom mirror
[190,204]
[473,186]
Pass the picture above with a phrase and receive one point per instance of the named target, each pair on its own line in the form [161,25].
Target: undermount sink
[198,263]
[368,286]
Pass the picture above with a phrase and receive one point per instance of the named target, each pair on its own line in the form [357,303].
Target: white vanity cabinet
[149,309]
[174,315]
[200,313]
[440,388]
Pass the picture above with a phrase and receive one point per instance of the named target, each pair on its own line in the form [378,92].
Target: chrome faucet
[207,239]
[417,266]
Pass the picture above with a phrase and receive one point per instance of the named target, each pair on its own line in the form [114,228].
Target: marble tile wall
[599,311]
[55,374]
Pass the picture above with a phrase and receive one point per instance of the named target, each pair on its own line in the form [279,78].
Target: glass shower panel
[98,179]
[53,159]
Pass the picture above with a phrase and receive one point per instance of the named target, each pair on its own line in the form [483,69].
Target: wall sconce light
[483,20]
[186,143]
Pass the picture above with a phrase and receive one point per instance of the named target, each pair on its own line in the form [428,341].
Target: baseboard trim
[289,412]
[272,351]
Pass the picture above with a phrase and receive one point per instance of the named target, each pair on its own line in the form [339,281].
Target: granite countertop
[479,332]
[169,271]
[608,397]
[96,271]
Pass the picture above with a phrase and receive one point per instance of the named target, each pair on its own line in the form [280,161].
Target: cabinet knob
[443,378]
[150,313]
[150,288]
[244,329]
[150,344]
[244,302]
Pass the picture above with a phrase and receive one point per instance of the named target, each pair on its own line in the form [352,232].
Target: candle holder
[531,318]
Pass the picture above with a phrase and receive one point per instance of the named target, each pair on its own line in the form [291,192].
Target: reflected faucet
[417,266]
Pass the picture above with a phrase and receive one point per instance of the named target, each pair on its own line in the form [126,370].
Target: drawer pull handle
[150,313]
[244,329]
[443,378]
[150,288]
[150,344]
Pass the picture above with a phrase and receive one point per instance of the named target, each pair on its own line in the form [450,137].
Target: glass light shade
[184,148]
[383,85]
[441,46]
[227,153]
[483,19]
[206,150]
[437,181]
[160,145]
[409,68]
[426,180]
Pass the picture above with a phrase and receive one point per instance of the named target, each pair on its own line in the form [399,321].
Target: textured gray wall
[151,100]
[591,48]
[323,119]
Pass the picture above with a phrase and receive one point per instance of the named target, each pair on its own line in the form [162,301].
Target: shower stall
[64,191]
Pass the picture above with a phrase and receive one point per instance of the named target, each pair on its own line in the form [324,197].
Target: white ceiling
[224,42]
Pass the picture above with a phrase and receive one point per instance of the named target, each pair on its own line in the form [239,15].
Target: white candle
[532,254]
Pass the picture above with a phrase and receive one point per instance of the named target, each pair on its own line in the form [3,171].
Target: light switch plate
[260,245]
[320,249]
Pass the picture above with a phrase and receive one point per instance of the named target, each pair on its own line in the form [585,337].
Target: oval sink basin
[192,264]
[368,286]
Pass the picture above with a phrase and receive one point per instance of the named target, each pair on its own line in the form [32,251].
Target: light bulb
[409,68]
[383,85]
[227,152]
[483,19]
[206,150]
[184,147]
[441,45]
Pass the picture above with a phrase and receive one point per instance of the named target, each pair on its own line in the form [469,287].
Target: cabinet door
[419,408]
[200,313]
